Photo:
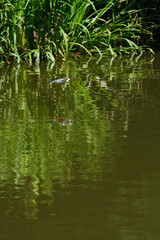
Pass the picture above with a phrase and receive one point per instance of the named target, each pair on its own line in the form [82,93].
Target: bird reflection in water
[62,121]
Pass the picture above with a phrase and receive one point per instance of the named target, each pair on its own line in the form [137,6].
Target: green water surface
[80,161]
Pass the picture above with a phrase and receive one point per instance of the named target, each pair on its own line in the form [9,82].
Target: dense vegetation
[34,29]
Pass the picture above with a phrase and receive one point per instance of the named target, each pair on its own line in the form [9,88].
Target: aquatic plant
[33,29]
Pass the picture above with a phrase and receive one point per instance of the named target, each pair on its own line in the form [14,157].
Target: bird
[60,80]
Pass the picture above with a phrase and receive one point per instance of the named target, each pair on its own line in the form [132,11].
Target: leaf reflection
[90,115]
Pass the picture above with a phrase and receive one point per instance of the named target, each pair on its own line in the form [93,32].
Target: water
[80,160]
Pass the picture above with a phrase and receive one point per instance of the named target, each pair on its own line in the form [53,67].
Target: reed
[33,29]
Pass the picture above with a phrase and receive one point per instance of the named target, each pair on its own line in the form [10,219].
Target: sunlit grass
[32,29]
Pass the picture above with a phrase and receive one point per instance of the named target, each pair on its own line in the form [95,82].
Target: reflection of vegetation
[37,154]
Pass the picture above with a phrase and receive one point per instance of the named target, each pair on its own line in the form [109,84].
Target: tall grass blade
[99,51]
[80,45]
[101,12]
[65,41]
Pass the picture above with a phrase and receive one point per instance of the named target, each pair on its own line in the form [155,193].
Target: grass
[36,30]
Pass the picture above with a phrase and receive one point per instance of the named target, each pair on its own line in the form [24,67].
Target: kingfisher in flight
[60,80]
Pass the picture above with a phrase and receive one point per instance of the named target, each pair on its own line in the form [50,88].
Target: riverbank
[35,30]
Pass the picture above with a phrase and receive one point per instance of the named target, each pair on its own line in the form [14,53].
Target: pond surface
[80,161]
